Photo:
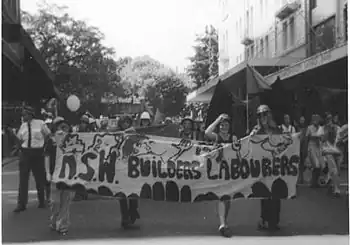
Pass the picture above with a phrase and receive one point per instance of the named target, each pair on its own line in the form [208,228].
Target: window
[261,8]
[285,36]
[251,21]
[252,50]
[267,49]
[227,41]
[237,28]
[262,48]
[313,4]
[346,22]
[292,30]
[247,21]
[240,27]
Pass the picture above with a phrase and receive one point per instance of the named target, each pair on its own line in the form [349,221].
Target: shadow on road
[313,213]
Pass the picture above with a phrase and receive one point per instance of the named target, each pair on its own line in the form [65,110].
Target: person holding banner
[62,197]
[222,125]
[187,129]
[270,208]
[32,136]
[129,212]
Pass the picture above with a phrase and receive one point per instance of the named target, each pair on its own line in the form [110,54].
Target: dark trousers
[127,210]
[31,160]
[270,211]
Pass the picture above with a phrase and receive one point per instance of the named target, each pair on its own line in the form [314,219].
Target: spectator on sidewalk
[32,135]
[287,127]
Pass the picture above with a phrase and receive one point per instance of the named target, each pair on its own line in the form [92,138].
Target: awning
[236,76]
[310,63]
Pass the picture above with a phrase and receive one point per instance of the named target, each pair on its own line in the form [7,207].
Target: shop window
[285,36]
[313,4]
[324,35]
[346,21]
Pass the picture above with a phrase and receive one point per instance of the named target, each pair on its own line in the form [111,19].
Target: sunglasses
[263,114]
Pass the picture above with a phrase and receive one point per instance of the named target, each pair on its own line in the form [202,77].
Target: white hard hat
[145,115]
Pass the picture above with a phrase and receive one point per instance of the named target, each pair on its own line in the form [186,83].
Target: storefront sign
[179,170]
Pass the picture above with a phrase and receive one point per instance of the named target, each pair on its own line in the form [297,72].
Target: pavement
[313,213]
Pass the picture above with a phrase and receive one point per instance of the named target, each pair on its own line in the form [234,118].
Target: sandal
[63,232]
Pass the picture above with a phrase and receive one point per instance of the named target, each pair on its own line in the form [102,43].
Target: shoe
[262,225]
[63,232]
[19,209]
[274,228]
[125,224]
[134,215]
[225,231]
[52,227]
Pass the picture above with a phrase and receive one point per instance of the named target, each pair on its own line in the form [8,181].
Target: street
[314,212]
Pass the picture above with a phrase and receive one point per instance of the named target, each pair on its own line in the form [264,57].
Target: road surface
[312,213]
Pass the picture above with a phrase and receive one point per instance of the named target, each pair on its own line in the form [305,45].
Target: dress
[314,146]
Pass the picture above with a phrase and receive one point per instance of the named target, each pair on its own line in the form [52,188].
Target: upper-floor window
[285,36]
[247,20]
[262,51]
[346,21]
[267,48]
[292,30]
[11,7]
[240,27]
[313,4]
[261,8]
[252,20]
[252,50]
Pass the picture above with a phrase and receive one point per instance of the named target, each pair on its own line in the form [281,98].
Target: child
[62,198]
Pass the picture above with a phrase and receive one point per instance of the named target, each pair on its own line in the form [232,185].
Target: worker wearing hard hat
[145,119]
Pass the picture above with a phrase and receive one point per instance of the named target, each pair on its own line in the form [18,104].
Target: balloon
[73,103]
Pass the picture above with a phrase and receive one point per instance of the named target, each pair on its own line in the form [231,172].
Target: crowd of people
[323,146]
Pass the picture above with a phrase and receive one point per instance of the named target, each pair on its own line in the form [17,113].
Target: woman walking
[270,208]
[220,132]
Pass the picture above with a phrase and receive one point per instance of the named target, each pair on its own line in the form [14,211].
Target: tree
[204,63]
[75,53]
[167,93]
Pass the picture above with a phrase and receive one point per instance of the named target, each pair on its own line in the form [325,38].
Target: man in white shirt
[32,136]
[286,127]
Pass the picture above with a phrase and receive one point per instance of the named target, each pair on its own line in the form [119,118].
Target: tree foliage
[204,63]
[161,86]
[74,52]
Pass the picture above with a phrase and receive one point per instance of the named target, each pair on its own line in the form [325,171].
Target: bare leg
[223,209]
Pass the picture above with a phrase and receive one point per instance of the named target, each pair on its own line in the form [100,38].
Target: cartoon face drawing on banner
[275,145]
[72,144]
[107,143]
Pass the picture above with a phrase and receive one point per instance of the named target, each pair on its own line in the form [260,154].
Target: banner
[170,169]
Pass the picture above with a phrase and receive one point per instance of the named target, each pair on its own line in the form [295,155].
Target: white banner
[170,169]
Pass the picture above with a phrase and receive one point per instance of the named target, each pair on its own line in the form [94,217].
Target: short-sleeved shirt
[39,131]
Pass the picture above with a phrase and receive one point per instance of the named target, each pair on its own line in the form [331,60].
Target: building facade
[253,29]
[300,43]
[24,69]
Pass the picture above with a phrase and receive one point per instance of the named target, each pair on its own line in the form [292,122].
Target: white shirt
[39,131]
[287,130]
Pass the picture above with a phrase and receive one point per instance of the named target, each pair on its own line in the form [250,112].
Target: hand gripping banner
[170,169]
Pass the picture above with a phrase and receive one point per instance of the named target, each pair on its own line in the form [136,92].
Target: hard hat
[145,115]
[262,109]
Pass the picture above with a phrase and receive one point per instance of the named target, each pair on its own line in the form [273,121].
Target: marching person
[314,134]
[270,208]
[145,119]
[62,197]
[301,128]
[187,129]
[286,127]
[32,136]
[220,132]
[332,153]
[129,212]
